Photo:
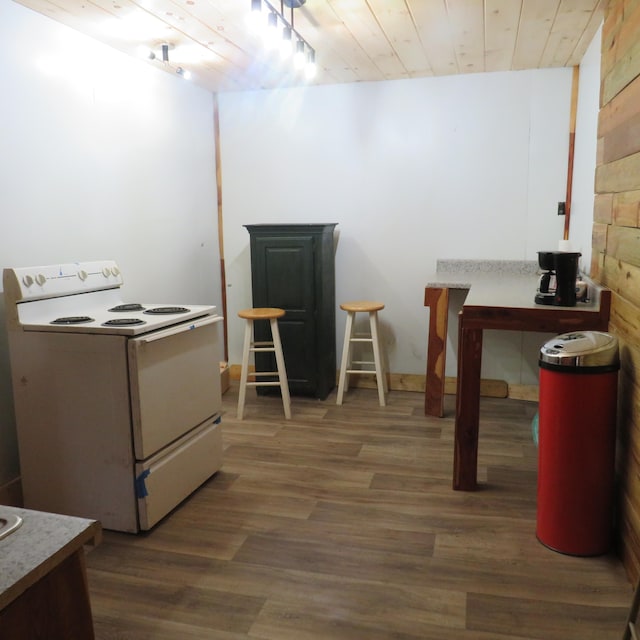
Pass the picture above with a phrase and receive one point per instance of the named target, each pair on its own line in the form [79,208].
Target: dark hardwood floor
[342,524]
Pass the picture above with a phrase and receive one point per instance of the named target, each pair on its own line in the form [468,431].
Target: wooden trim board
[416,382]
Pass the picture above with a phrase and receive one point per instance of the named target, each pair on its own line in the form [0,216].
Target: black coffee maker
[557,283]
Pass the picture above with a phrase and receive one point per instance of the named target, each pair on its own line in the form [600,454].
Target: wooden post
[437,299]
[223,275]
[572,143]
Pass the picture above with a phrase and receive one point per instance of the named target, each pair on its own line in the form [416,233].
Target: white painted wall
[102,157]
[584,168]
[412,171]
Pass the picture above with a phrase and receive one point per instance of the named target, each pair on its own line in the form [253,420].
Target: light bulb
[255,17]
[271,32]
[310,69]
[286,46]
[298,57]
[146,53]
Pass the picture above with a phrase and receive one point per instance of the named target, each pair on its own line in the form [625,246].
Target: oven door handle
[187,326]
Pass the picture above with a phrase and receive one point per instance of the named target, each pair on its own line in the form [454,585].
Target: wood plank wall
[616,247]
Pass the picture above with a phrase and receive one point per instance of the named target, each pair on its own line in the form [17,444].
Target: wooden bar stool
[346,367]
[275,346]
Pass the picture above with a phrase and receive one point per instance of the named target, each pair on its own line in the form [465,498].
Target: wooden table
[503,303]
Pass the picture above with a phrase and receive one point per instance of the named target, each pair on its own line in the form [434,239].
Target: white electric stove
[117,402]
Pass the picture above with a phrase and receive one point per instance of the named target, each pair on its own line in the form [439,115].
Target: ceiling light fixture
[305,55]
[163,56]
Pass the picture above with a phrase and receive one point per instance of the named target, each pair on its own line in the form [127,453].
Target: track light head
[284,39]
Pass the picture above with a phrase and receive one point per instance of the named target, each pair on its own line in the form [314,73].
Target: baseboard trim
[416,382]
[529,392]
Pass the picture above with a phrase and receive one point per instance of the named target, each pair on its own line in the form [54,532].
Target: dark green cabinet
[293,268]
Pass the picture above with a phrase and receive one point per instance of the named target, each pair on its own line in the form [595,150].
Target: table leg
[465,452]
[438,302]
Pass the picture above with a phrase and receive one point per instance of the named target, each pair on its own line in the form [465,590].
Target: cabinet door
[283,276]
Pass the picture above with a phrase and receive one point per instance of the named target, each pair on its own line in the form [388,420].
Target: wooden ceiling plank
[588,34]
[536,20]
[571,19]
[338,53]
[466,22]
[361,23]
[501,31]
[398,25]
[432,24]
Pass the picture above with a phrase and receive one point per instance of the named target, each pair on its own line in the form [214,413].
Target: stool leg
[282,372]
[343,380]
[244,373]
[381,379]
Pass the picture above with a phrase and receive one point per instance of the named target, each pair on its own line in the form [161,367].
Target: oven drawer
[175,382]
[166,479]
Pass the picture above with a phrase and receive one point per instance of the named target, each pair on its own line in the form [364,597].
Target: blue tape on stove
[141,487]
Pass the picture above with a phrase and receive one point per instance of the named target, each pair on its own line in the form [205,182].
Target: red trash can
[576,442]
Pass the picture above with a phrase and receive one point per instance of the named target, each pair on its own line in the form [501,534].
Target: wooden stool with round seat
[347,365]
[275,346]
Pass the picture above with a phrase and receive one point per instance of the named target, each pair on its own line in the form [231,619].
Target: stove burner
[161,310]
[128,307]
[122,322]
[72,320]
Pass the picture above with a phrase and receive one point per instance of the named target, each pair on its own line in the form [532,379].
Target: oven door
[174,376]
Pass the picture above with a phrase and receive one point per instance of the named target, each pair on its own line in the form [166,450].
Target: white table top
[501,290]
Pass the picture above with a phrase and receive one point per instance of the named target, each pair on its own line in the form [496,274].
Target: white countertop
[497,283]
[37,546]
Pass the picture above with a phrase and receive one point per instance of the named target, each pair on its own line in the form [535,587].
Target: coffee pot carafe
[557,284]
[547,283]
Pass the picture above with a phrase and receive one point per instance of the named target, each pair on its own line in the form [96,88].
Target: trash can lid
[581,349]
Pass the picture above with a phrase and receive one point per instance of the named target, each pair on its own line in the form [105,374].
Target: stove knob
[40,279]
[83,275]
[106,272]
[27,280]
[115,271]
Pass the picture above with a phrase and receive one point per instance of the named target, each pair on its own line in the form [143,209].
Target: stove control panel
[36,283]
